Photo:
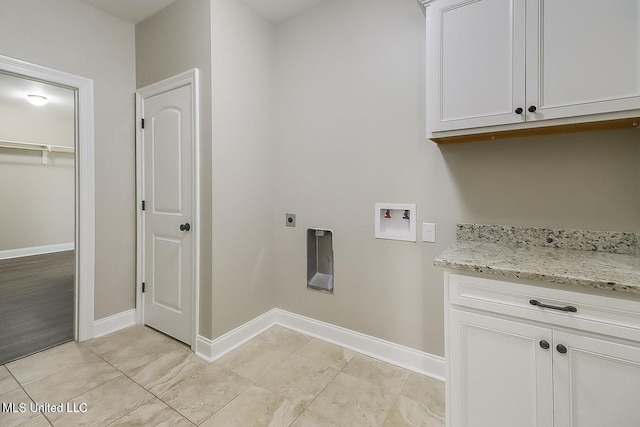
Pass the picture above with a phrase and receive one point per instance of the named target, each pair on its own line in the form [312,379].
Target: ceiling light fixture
[37,100]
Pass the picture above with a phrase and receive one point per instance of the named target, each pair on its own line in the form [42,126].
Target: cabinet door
[583,57]
[475,63]
[498,374]
[596,382]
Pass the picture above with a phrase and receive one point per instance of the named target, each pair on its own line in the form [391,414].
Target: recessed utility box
[320,260]
[395,221]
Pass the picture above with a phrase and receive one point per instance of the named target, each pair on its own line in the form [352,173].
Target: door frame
[187,78]
[84,186]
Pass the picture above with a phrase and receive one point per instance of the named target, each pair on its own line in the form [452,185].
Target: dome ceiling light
[37,100]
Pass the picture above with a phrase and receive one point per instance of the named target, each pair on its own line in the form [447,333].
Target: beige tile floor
[138,376]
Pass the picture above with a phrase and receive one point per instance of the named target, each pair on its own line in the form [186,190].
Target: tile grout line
[137,383]
[156,396]
[395,401]
[291,351]
[328,382]
[326,385]
[28,395]
[253,383]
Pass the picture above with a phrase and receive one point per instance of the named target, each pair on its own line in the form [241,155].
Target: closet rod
[37,147]
[45,149]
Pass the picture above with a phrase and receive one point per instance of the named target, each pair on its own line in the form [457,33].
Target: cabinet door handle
[568,308]
[561,349]
[532,109]
[545,344]
[519,110]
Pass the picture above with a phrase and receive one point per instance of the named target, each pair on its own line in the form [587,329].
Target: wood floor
[36,303]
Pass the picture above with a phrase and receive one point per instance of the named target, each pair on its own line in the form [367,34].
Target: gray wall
[70,36]
[233,48]
[582,180]
[37,199]
[350,132]
[323,117]
[174,40]
[242,80]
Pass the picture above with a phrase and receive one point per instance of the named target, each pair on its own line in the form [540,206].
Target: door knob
[544,344]
[532,109]
[185,227]
[561,349]
[519,110]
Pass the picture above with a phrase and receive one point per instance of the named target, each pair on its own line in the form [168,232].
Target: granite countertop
[603,260]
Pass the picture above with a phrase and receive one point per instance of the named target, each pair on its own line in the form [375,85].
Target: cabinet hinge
[142,123]
[143,287]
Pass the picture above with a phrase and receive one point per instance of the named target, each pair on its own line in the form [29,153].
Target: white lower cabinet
[596,382]
[499,376]
[538,366]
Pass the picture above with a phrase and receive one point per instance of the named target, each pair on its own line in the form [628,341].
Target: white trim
[139,222]
[187,78]
[36,250]
[114,323]
[84,185]
[404,357]
[396,354]
[211,350]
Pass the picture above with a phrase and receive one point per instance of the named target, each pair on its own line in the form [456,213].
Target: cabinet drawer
[598,314]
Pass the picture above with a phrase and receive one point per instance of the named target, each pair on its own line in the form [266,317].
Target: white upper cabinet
[583,57]
[506,62]
[476,61]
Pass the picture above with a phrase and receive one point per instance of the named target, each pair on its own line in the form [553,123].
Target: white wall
[70,36]
[350,132]
[243,67]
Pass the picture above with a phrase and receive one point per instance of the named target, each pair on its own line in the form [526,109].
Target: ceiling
[278,11]
[14,91]
[132,11]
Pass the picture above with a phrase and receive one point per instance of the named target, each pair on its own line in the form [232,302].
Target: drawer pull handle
[568,308]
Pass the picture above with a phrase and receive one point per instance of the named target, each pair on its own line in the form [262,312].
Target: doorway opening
[47,238]
[37,224]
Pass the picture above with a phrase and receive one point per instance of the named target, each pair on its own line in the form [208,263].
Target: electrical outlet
[428,232]
[290,220]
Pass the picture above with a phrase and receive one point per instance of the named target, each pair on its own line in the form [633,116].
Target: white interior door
[168,183]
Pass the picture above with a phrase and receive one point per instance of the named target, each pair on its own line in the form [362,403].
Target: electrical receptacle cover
[428,232]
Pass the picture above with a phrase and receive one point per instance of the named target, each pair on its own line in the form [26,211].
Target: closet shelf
[44,148]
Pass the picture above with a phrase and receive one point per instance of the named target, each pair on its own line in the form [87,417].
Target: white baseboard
[404,357]
[396,354]
[36,250]
[211,350]
[114,323]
